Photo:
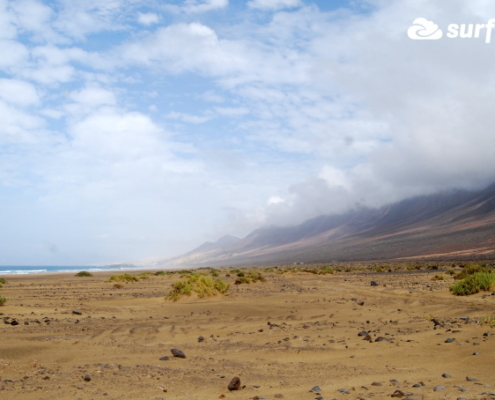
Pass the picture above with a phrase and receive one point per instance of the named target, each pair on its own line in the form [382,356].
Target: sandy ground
[281,338]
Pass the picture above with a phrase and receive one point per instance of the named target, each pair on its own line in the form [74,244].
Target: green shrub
[160,273]
[438,277]
[249,277]
[470,270]
[2,280]
[490,321]
[3,300]
[84,274]
[202,285]
[123,278]
[474,283]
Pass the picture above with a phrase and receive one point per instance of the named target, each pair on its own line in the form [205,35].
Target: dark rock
[235,383]
[360,303]
[368,338]
[470,379]
[398,393]
[438,388]
[363,333]
[476,354]
[201,339]
[315,389]
[450,340]
[87,378]
[382,339]
[376,384]
[75,312]
[165,358]
[446,376]
[373,283]
[14,322]
[178,353]
[344,390]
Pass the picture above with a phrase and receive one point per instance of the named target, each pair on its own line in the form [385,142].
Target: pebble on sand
[178,353]
[235,383]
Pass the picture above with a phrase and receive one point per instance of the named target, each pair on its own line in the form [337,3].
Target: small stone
[178,353]
[450,340]
[470,379]
[376,384]
[76,312]
[235,383]
[360,303]
[398,393]
[14,322]
[87,378]
[201,339]
[446,376]
[438,388]
[374,283]
[165,358]
[363,333]
[344,390]
[476,354]
[315,389]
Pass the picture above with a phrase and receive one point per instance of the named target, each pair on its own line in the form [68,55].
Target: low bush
[123,278]
[3,300]
[438,277]
[84,274]
[470,270]
[490,321]
[479,281]
[2,280]
[249,277]
[202,285]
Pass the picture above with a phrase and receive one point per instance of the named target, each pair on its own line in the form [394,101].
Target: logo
[422,29]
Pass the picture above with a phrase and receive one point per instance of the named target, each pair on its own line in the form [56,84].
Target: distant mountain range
[451,225]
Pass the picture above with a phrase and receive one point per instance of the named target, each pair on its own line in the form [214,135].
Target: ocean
[9,270]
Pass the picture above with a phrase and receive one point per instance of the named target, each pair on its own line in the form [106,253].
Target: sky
[142,128]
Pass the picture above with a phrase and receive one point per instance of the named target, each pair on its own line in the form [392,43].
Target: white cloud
[14,54]
[193,119]
[198,6]
[148,18]
[18,92]
[274,4]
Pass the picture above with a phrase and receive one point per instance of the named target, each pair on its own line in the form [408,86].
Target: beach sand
[281,337]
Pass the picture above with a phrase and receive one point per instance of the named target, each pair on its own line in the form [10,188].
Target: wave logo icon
[422,29]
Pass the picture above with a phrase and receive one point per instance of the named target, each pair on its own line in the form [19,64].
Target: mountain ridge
[451,224]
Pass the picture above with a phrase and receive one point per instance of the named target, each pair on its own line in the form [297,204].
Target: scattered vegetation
[123,278]
[249,277]
[438,277]
[84,274]
[478,281]
[490,321]
[470,270]
[323,270]
[3,300]
[202,285]
[2,280]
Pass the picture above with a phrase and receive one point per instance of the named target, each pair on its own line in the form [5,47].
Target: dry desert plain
[281,337]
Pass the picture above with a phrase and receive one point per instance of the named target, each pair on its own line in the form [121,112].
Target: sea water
[8,270]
